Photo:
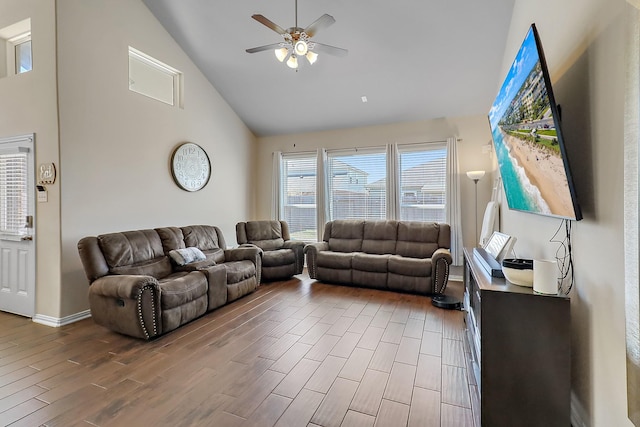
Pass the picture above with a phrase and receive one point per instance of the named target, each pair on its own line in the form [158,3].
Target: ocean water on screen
[521,193]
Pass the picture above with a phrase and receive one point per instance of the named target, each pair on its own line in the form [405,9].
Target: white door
[17,246]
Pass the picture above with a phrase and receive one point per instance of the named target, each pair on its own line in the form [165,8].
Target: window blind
[298,183]
[423,178]
[13,193]
[357,184]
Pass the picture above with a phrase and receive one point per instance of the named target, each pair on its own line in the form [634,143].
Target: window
[152,78]
[15,49]
[298,183]
[357,184]
[423,177]
[13,193]
[22,49]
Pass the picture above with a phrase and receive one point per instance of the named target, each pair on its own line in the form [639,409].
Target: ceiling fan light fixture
[312,57]
[281,53]
[292,62]
[301,47]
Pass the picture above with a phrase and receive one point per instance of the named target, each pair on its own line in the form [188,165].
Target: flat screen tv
[525,126]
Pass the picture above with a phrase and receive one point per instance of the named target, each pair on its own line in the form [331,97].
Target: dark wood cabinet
[521,350]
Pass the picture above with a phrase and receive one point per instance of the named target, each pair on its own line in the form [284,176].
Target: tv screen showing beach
[527,138]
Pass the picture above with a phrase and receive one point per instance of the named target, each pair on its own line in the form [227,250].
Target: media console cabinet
[520,350]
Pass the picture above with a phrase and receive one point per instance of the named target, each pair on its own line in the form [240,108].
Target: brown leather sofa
[281,257]
[394,255]
[136,289]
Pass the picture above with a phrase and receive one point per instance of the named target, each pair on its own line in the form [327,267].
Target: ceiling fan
[297,41]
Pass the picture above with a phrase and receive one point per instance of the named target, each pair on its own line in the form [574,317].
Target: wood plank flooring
[294,353]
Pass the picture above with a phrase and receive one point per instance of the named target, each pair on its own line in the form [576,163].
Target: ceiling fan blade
[262,48]
[267,23]
[323,22]
[331,50]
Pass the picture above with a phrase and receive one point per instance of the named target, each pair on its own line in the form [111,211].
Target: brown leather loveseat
[138,289]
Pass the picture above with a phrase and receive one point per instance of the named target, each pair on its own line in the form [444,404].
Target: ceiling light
[292,62]
[301,47]
[281,53]
[312,57]
[364,99]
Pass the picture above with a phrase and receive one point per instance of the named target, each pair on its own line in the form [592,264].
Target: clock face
[190,167]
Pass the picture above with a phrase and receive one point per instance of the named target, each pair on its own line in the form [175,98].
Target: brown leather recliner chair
[281,257]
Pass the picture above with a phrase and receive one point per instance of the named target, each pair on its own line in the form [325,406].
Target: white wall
[116,144]
[584,45]
[473,131]
[28,105]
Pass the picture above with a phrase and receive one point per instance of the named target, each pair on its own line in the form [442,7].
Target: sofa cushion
[268,245]
[171,238]
[180,288]
[263,230]
[380,237]
[417,239]
[158,268]
[407,266]
[130,247]
[238,271]
[214,255]
[370,262]
[337,260]
[203,237]
[278,257]
[345,235]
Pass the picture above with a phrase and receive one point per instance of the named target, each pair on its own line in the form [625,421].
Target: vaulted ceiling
[412,59]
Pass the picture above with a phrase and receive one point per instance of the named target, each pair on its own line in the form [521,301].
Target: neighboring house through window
[357,187]
[298,195]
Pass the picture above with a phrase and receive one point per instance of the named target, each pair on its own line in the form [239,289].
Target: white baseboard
[579,417]
[56,322]
[455,277]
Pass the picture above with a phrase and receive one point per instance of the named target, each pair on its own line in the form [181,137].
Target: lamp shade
[311,57]
[281,53]
[292,62]
[475,175]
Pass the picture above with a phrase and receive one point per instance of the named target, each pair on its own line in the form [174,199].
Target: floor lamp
[476,176]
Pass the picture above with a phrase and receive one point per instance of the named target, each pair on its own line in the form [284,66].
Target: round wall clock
[190,166]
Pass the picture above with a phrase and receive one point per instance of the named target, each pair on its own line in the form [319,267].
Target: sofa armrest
[246,252]
[441,260]
[311,250]
[298,249]
[128,304]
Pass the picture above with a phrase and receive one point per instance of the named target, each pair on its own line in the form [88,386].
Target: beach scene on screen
[526,139]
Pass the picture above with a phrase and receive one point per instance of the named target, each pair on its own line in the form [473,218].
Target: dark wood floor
[294,353]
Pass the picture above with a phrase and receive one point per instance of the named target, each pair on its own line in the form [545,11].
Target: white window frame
[14,169]
[283,196]
[12,54]
[415,148]
[393,187]
[176,76]
[331,154]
